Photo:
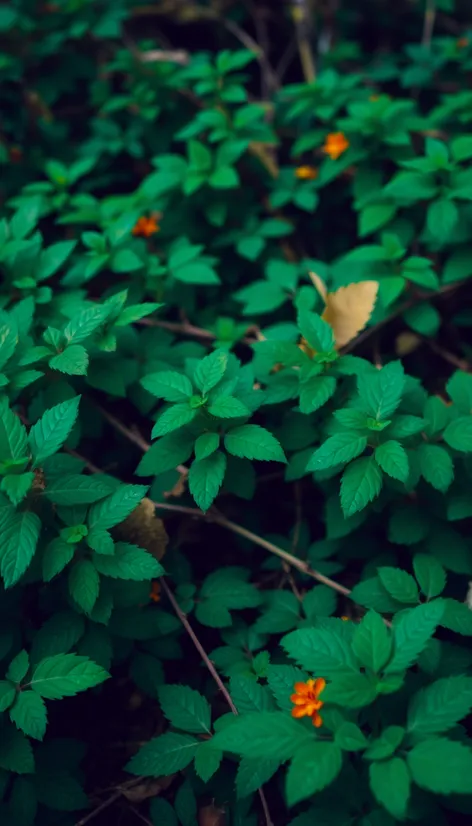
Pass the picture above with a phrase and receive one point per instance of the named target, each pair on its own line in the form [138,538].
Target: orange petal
[317,720]
[299,711]
[299,701]
[320,684]
[303,688]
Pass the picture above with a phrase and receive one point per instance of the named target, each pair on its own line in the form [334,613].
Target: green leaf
[84,323]
[65,675]
[337,450]
[126,261]
[314,767]
[442,217]
[74,489]
[430,575]
[84,584]
[207,761]
[390,784]
[372,642]
[353,691]
[18,667]
[211,370]
[228,407]
[29,714]
[206,477]
[205,445]
[360,484]
[393,460]
[13,438]
[439,706]
[166,454]
[73,360]
[349,737]
[56,556]
[252,774]
[128,562]
[381,390]
[7,694]
[168,385]
[16,754]
[423,318]
[436,466]
[173,418]
[116,508]
[162,813]
[52,429]
[457,617]
[320,651]
[441,766]
[258,734]
[317,332]
[185,708]
[16,487]
[386,744]
[164,755]
[458,434]
[281,680]
[412,631]
[251,441]
[18,545]
[399,584]
[249,695]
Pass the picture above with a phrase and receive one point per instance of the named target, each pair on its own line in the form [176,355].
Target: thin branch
[301,18]
[428,23]
[211,668]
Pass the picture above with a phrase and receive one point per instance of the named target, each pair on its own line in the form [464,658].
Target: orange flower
[306,173]
[145,226]
[462,42]
[345,619]
[373,98]
[306,700]
[335,144]
[155,594]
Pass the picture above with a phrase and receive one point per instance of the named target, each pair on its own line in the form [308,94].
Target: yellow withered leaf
[319,285]
[349,309]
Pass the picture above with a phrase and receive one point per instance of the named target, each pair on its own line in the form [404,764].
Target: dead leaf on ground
[143,528]
[211,816]
[348,309]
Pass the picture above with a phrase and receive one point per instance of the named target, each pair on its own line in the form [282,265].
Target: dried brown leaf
[319,285]
[144,529]
[211,816]
[349,309]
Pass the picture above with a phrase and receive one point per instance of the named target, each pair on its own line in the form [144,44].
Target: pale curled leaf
[348,309]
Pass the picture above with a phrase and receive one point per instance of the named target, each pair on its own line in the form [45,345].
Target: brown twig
[211,668]
[428,23]
[301,18]
[461,364]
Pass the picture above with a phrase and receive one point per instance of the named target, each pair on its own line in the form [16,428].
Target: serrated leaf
[13,438]
[249,695]
[206,477]
[441,766]
[353,691]
[251,441]
[372,642]
[381,390]
[18,667]
[116,508]
[399,584]
[439,706]
[315,392]
[168,385]
[349,309]
[29,714]
[252,774]
[65,675]
[7,694]
[173,418]
[360,484]
[228,407]
[16,754]
[458,434]
[320,651]
[207,761]
[436,466]
[16,487]
[53,428]
[73,360]
[349,737]
[338,449]
[75,489]
[162,813]
[317,332]
[56,556]
[18,545]
[260,733]
[412,632]
[185,708]
[390,784]
[430,574]
[206,444]
[84,323]
[164,755]
[211,370]
[386,744]
[128,562]
[84,584]
[393,460]
[314,767]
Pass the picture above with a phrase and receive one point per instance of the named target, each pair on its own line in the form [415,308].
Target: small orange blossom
[462,42]
[345,619]
[335,144]
[306,700]
[155,594]
[306,173]
[145,226]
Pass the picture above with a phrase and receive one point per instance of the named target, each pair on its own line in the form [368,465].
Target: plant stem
[301,18]
[428,23]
